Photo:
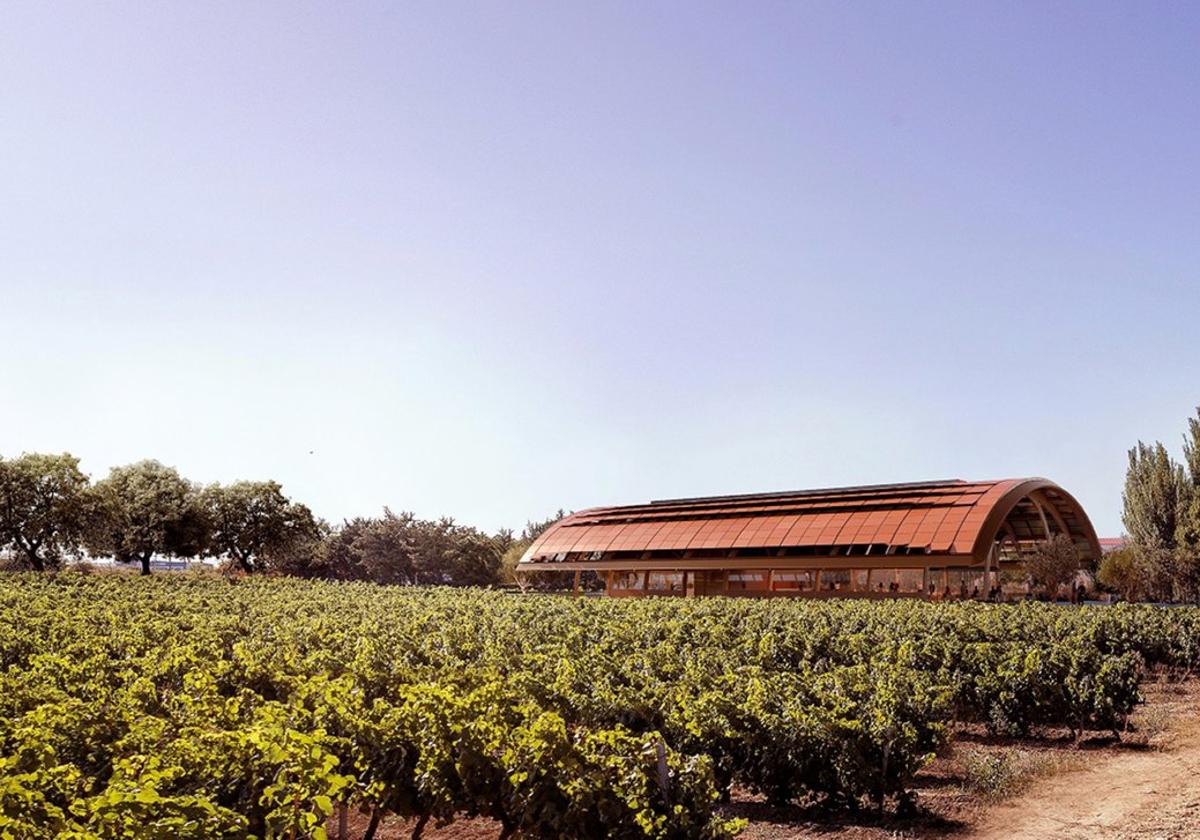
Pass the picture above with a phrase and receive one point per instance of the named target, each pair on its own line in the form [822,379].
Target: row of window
[946,582]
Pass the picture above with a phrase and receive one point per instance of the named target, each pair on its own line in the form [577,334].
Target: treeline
[52,514]
[1161,558]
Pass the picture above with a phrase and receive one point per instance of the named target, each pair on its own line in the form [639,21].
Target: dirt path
[1150,795]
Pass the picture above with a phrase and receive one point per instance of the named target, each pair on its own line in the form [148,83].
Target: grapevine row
[201,707]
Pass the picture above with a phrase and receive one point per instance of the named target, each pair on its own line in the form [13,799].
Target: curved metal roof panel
[939,517]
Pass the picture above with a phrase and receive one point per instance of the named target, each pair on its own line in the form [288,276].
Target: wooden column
[578,574]
[987,573]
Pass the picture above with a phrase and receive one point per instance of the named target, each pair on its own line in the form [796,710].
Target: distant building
[1110,544]
[945,539]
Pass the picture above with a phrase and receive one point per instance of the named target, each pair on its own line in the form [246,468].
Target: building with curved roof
[940,538]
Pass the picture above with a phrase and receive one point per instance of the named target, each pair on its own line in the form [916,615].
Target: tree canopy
[43,508]
[253,521]
[1162,517]
[146,509]
[1053,563]
[1155,488]
[402,549]
[1187,529]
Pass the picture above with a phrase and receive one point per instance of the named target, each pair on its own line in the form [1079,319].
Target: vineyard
[204,707]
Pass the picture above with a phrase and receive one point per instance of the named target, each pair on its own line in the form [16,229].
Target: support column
[993,561]
[987,573]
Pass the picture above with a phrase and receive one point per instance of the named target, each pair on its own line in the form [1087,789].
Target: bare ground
[1145,787]
[1124,794]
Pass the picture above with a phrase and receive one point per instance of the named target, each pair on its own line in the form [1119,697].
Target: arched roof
[954,521]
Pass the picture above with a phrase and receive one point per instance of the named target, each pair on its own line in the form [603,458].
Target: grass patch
[1152,723]
[1004,773]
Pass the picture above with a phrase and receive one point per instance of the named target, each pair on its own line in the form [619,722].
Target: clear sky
[491,259]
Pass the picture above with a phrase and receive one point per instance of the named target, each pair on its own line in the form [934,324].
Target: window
[897,580]
[627,580]
[910,580]
[798,580]
[666,582]
[747,580]
[835,579]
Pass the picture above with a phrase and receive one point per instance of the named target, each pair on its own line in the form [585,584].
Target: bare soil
[1125,793]
[1145,786]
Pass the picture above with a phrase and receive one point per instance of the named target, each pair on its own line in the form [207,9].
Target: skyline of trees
[51,513]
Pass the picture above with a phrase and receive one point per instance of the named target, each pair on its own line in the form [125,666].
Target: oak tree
[253,522]
[146,509]
[43,508]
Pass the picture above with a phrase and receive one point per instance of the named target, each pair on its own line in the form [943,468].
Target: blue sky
[488,260]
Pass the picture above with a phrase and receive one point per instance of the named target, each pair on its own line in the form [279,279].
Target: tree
[469,558]
[1185,575]
[253,523]
[1054,562]
[1162,515]
[1187,534]
[428,552]
[43,508]
[399,548]
[303,557]
[509,559]
[379,550]
[145,509]
[1121,572]
[1156,488]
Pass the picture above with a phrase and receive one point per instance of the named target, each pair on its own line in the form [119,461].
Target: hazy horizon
[490,260]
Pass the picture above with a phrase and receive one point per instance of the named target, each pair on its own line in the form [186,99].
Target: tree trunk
[146,563]
[343,813]
[419,828]
[243,561]
[373,825]
[31,556]
[887,749]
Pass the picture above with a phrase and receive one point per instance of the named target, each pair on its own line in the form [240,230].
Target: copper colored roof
[957,520]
